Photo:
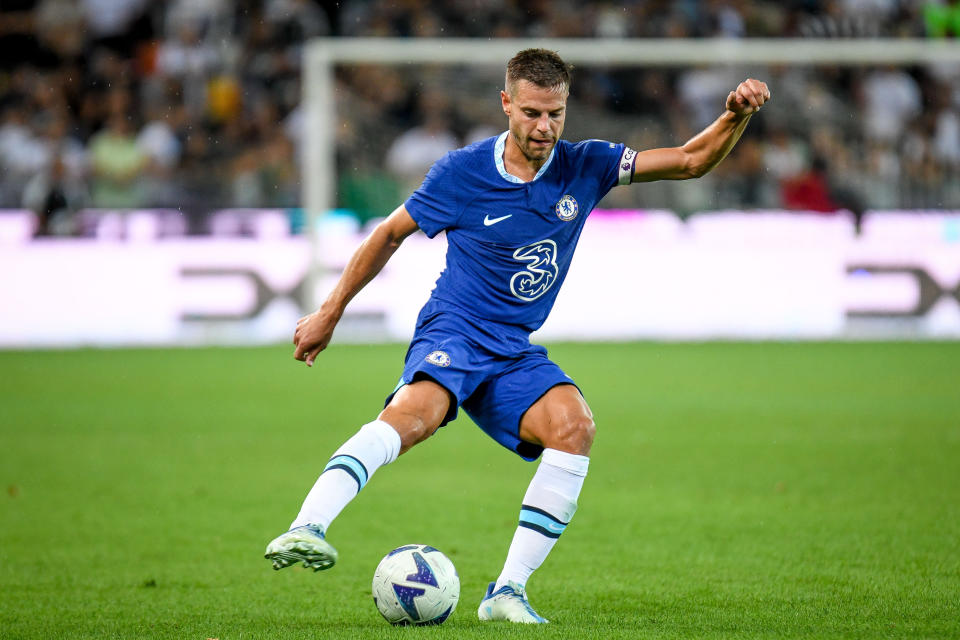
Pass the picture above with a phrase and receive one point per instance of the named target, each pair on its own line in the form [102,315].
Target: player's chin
[540,149]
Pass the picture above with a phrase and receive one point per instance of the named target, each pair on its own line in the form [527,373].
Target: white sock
[548,506]
[352,465]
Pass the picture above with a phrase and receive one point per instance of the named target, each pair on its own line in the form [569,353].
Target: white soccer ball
[416,584]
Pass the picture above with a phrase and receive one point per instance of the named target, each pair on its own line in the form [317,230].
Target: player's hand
[313,334]
[748,97]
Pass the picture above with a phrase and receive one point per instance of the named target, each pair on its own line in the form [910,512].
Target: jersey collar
[498,159]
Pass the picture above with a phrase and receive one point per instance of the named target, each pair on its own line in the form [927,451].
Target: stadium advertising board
[757,275]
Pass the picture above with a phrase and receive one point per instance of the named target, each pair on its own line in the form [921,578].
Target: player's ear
[505,101]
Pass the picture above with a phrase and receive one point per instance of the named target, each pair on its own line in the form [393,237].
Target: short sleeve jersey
[510,242]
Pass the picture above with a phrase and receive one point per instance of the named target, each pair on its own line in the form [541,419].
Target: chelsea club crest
[567,209]
[439,358]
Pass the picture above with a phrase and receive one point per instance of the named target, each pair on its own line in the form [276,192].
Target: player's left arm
[705,150]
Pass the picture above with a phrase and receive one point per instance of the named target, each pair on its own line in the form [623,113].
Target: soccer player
[513,207]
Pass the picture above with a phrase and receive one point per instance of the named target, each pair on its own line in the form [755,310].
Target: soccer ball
[416,584]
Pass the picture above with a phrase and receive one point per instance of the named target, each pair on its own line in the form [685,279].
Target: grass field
[735,491]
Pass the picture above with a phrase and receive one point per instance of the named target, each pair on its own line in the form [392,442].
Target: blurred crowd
[194,104]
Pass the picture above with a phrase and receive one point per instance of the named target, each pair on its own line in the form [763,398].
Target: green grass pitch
[736,491]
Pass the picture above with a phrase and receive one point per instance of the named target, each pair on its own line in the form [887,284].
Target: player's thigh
[560,419]
[416,411]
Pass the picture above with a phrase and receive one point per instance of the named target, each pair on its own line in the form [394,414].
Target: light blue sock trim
[533,518]
[352,466]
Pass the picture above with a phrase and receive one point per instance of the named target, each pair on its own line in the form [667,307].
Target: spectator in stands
[159,143]
[116,24]
[55,195]
[21,154]
[785,157]
[117,164]
[891,99]
[60,29]
[810,190]
[417,149]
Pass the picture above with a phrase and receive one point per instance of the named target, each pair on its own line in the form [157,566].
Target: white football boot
[304,544]
[509,602]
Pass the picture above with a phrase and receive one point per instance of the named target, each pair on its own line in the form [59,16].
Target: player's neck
[517,164]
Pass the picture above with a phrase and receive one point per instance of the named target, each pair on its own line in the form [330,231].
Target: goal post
[322,55]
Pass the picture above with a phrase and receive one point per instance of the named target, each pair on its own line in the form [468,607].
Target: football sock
[548,506]
[352,465]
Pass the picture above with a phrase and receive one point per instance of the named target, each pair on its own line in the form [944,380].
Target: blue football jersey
[510,242]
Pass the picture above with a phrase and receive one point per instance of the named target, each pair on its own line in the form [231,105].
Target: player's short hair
[542,67]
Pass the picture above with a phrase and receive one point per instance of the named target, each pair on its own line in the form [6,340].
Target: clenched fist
[748,97]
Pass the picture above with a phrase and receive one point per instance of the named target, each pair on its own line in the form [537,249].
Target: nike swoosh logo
[487,220]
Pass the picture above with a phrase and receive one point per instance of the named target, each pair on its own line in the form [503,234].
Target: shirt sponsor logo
[567,209]
[541,271]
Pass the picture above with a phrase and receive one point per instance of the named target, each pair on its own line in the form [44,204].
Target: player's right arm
[705,150]
[314,331]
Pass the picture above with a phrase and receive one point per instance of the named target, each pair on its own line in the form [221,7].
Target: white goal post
[323,54]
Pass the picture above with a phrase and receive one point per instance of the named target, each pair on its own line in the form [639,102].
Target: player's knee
[413,427]
[416,412]
[575,435]
[415,434]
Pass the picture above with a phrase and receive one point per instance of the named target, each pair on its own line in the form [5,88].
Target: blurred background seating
[128,104]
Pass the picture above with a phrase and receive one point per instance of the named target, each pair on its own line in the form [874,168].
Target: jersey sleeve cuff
[422,221]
